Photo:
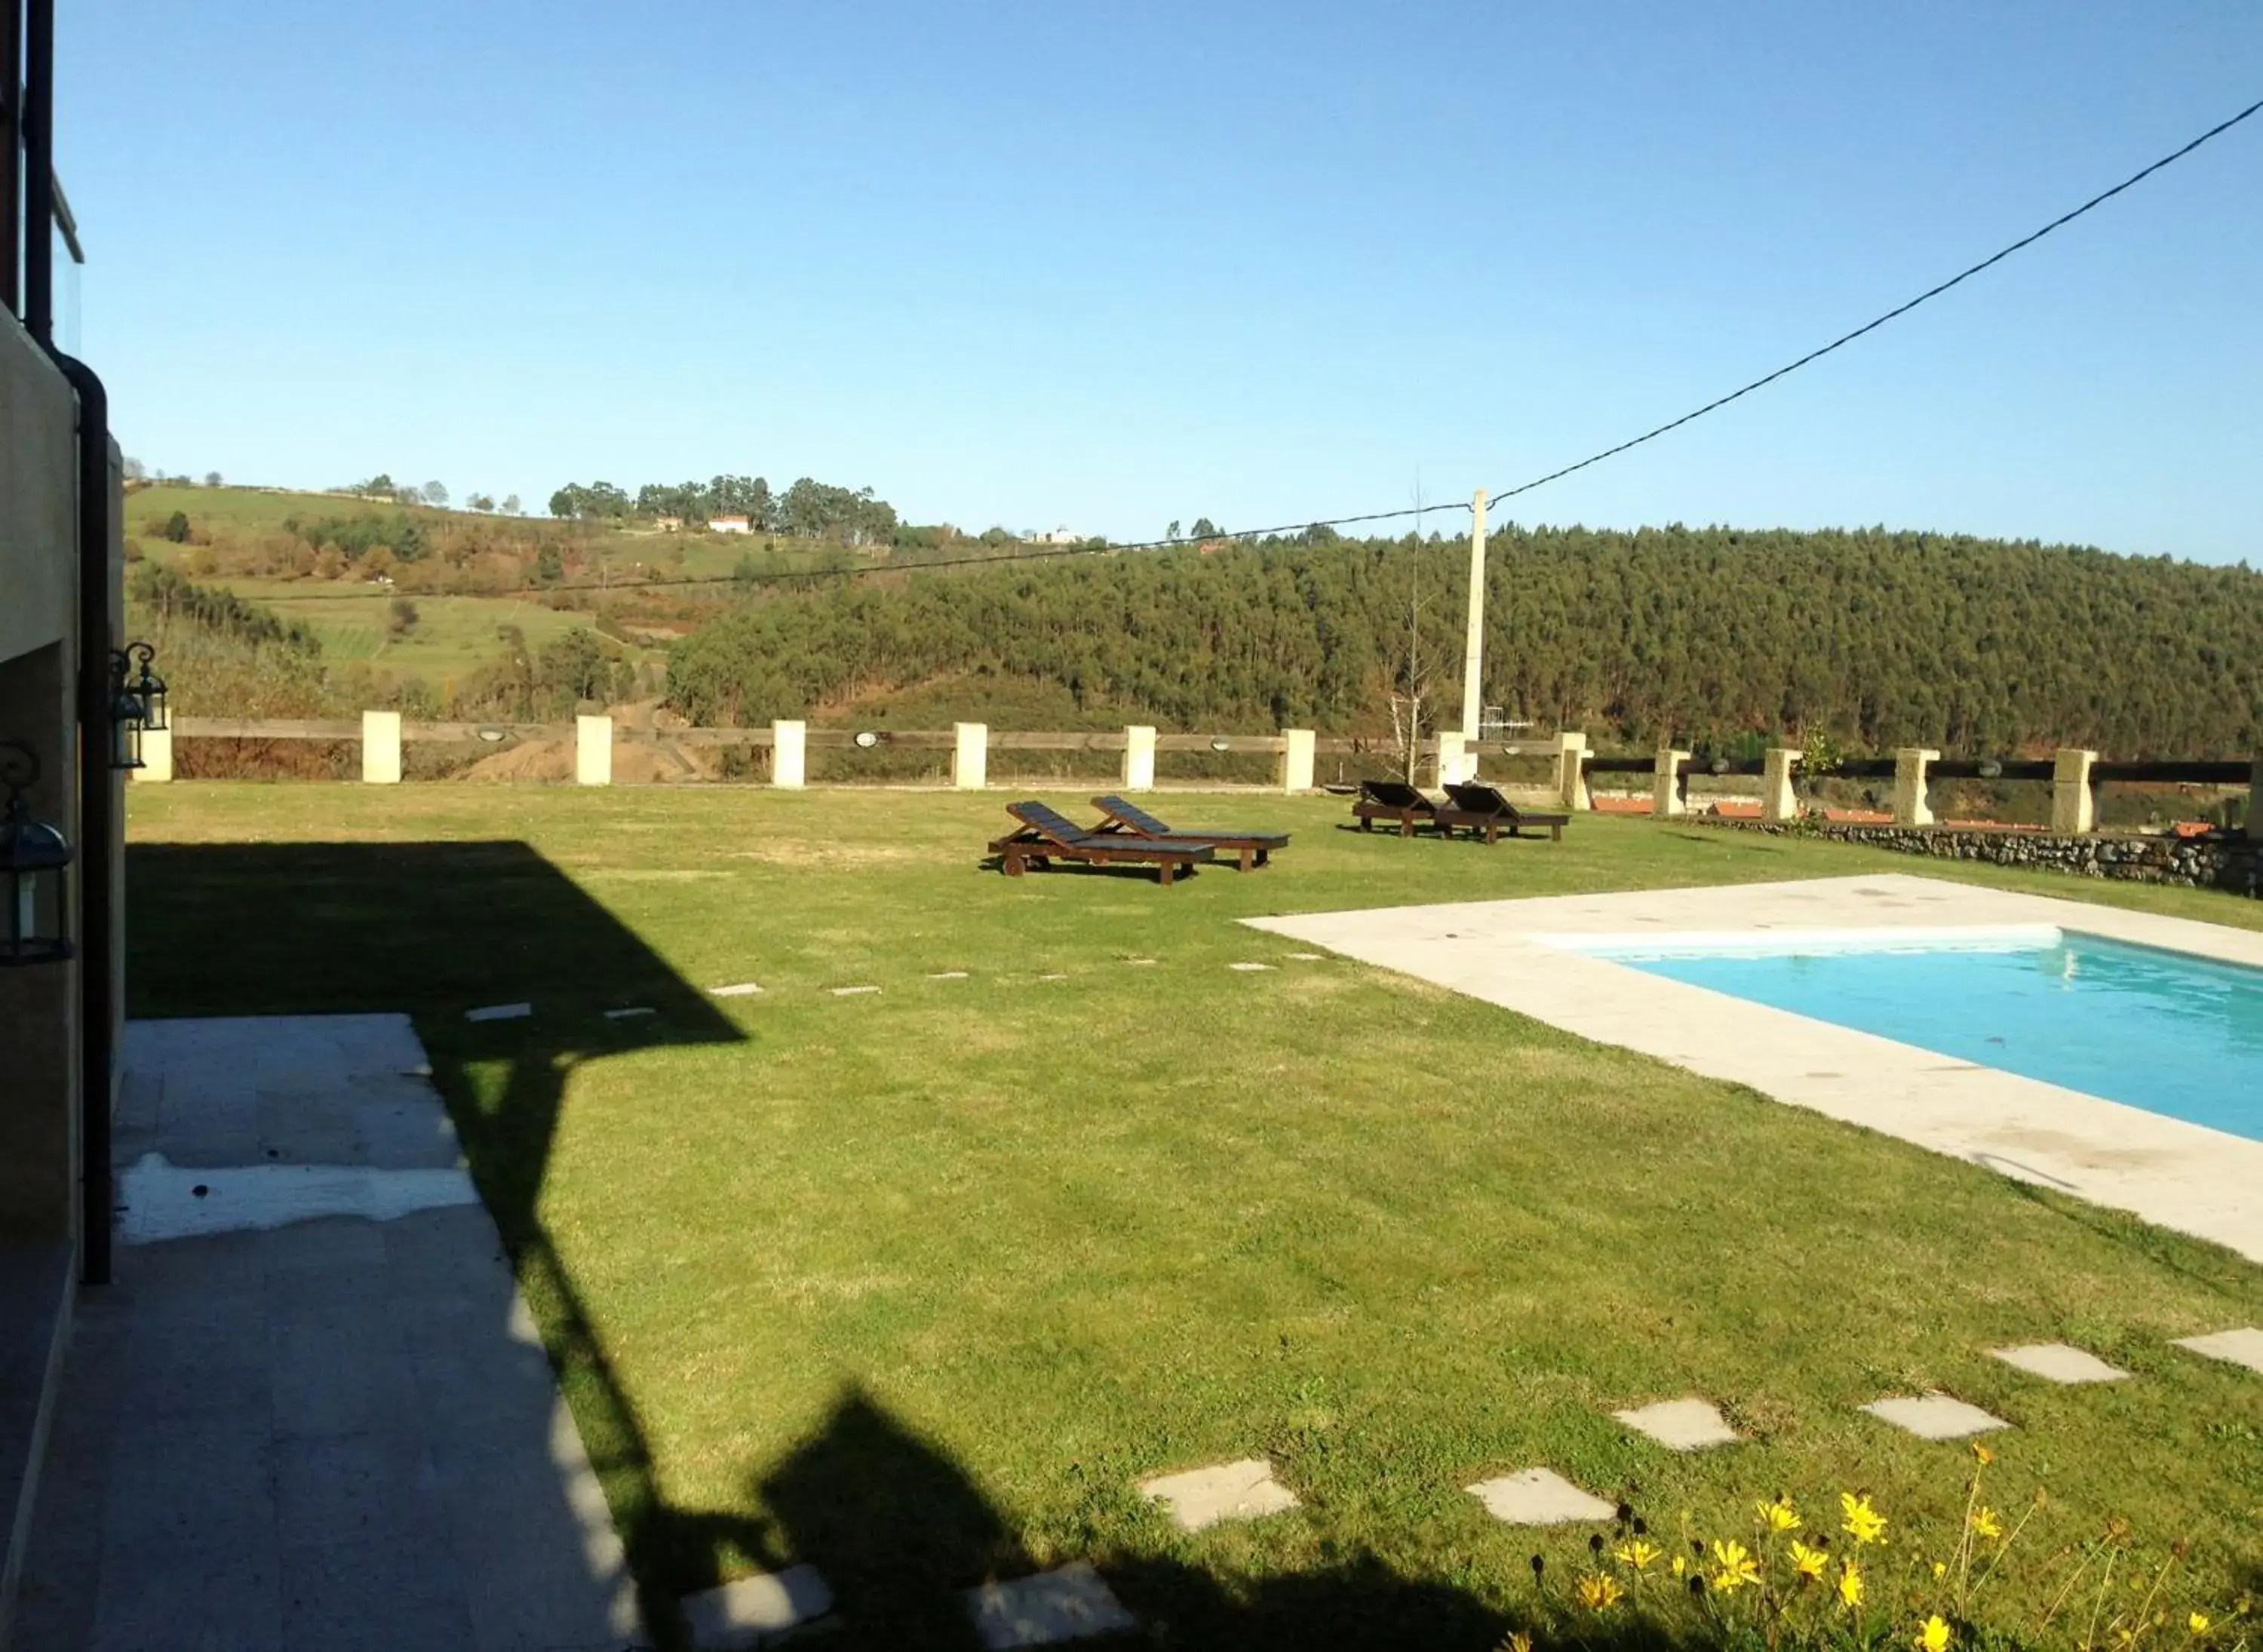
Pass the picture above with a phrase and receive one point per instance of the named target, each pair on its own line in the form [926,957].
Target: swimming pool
[2168,1031]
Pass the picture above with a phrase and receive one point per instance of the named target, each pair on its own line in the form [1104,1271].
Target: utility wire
[771,577]
[1900,309]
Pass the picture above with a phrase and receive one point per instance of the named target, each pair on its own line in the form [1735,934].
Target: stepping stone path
[1138,961]
[2058,1362]
[1539,1497]
[850,992]
[1204,1498]
[1310,958]
[1053,977]
[751,1611]
[1249,967]
[634,1010]
[948,974]
[1935,1417]
[500,1012]
[1682,1425]
[2242,1347]
[1065,1605]
[736,990]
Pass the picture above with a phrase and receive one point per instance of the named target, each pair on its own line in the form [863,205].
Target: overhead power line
[2059,222]
[782,577]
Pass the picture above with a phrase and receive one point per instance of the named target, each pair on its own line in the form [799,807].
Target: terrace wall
[2231,863]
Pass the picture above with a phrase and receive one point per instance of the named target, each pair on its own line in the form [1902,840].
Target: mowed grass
[917,1284]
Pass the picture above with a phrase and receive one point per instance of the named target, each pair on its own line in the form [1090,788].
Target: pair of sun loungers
[1127,835]
[1472,805]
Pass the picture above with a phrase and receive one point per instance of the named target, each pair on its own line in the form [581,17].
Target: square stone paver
[1203,1498]
[2242,1347]
[1539,1497]
[500,1012]
[948,974]
[735,990]
[1309,957]
[1935,1417]
[2060,1362]
[851,992]
[1052,1606]
[749,1612]
[1682,1425]
[628,1013]
[1250,967]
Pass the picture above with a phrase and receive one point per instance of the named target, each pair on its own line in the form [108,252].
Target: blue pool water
[2164,1031]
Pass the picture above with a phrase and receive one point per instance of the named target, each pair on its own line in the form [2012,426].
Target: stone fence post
[1666,799]
[788,754]
[1571,755]
[1910,765]
[2074,811]
[1777,801]
[156,757]
[1140,758]
[381,748]
[1450,758]
[970,756]
[1296,760]
[593,751]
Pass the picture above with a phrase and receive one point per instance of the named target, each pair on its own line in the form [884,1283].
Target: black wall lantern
[32,856]
[137,702]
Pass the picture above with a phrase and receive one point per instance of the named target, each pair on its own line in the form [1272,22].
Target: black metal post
[39,118]
[11,140]
[99,821]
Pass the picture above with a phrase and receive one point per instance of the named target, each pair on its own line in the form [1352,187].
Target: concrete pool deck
[2185,1177]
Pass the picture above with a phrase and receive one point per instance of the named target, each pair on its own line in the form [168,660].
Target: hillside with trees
[1714,635]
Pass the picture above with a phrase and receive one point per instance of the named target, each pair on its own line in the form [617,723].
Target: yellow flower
[1518,1642]
[1809,1562]
[1779,1516]
[1940,1568]
[1933,1637]
[1862,1523]
[1983,1453]
[1599,1591]
[1637,1554]
[1733,1566]
[1985,1521]
[2197,1623]
[1680,1566]
[1850,1584]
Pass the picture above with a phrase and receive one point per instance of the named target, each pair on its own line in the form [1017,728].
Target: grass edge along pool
[2172,1033]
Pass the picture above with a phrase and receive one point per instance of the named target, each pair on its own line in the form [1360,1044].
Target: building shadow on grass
[435,930]
[897,1526]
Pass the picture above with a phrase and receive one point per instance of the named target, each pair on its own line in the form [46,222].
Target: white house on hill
[727,525]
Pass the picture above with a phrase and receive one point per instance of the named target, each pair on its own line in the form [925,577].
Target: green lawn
[916,1284]
[453,635]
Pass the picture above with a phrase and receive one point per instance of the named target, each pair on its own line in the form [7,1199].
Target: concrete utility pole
[1473,653]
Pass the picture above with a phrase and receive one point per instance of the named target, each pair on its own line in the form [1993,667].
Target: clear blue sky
[1110,265]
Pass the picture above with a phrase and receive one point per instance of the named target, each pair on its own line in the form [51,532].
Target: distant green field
[238,509]
[453,635]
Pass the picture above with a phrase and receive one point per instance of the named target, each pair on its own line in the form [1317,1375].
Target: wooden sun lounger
[1047,834]
[1393,800]
[1482,809]
[1127,818]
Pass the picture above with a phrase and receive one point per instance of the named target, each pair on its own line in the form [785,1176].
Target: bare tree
[1412,688]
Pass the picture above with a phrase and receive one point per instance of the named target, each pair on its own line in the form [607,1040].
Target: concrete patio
[339,1431]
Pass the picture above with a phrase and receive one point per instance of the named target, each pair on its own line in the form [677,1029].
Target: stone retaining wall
[2234,864]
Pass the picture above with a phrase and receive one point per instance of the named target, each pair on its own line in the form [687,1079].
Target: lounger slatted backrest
[1132,816]
[1479,799]
[1043,817]
[1395,794]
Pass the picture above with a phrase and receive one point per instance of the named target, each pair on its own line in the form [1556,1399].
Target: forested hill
[1974,646]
